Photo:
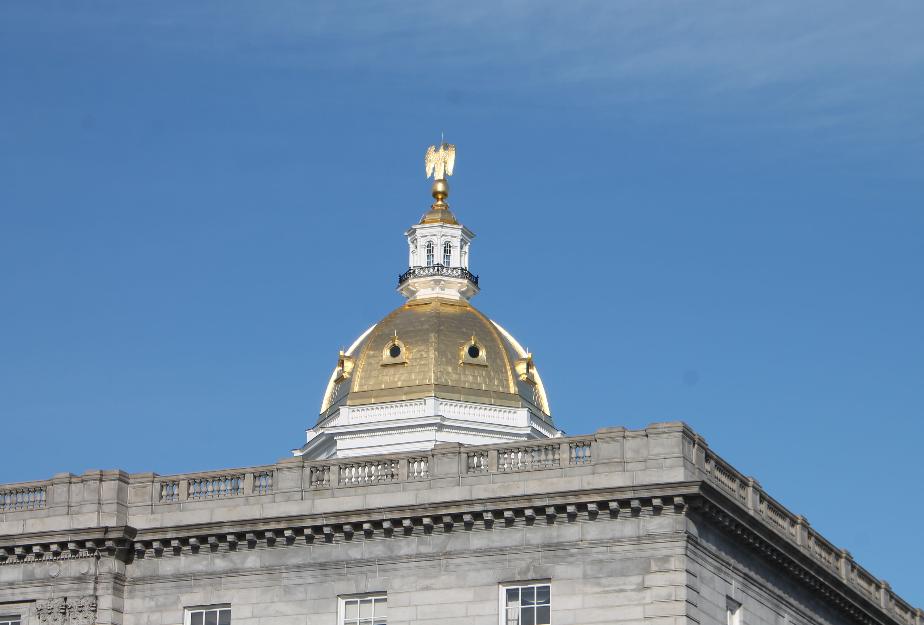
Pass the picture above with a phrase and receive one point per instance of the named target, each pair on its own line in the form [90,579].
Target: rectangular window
[527,604]
[733,611]
[10,620]
[209,615]
[364,610]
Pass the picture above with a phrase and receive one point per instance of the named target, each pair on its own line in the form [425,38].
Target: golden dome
[436,347]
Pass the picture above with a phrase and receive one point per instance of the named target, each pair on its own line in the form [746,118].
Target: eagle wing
[450,158]
[430,161]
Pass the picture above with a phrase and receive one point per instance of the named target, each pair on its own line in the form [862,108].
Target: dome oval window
[473,353]
[394,352]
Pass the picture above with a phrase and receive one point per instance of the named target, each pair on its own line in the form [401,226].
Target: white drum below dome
[418,425]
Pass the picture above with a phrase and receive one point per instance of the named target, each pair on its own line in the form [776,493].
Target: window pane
[513,596]
[211,617]
[365,608]
[543,615]
[196,618]
[529,595]
[529,616]
[351,610]
[513,616]
[542,594]
[224,617]
[381,608]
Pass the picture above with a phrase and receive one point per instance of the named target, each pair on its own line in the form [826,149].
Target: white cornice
[397,425]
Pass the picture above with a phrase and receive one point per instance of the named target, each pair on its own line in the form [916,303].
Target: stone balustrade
[25,497]
[50,497]
[418,467]
[211,485]
[661,453]
[364,472]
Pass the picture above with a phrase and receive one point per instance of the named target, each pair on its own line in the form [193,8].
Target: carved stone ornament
[51,612]
[81,610]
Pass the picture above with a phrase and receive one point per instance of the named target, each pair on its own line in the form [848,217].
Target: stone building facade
[434,488]
[622,526]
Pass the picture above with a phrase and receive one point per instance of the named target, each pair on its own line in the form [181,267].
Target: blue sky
[708,212]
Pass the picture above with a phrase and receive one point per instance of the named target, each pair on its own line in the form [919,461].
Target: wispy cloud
[824,63]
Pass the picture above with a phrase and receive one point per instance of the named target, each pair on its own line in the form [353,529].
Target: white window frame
[342,599]
[502,597]
[10,619]
[429,253]
[447,254]
[187,612]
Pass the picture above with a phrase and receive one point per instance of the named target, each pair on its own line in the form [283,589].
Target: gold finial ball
[440,189]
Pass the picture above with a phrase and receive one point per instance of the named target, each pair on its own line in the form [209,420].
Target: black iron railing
[438,270]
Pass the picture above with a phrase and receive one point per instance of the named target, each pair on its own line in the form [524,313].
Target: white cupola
[438,246]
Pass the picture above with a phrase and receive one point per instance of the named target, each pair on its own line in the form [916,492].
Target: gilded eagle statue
[438,162]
